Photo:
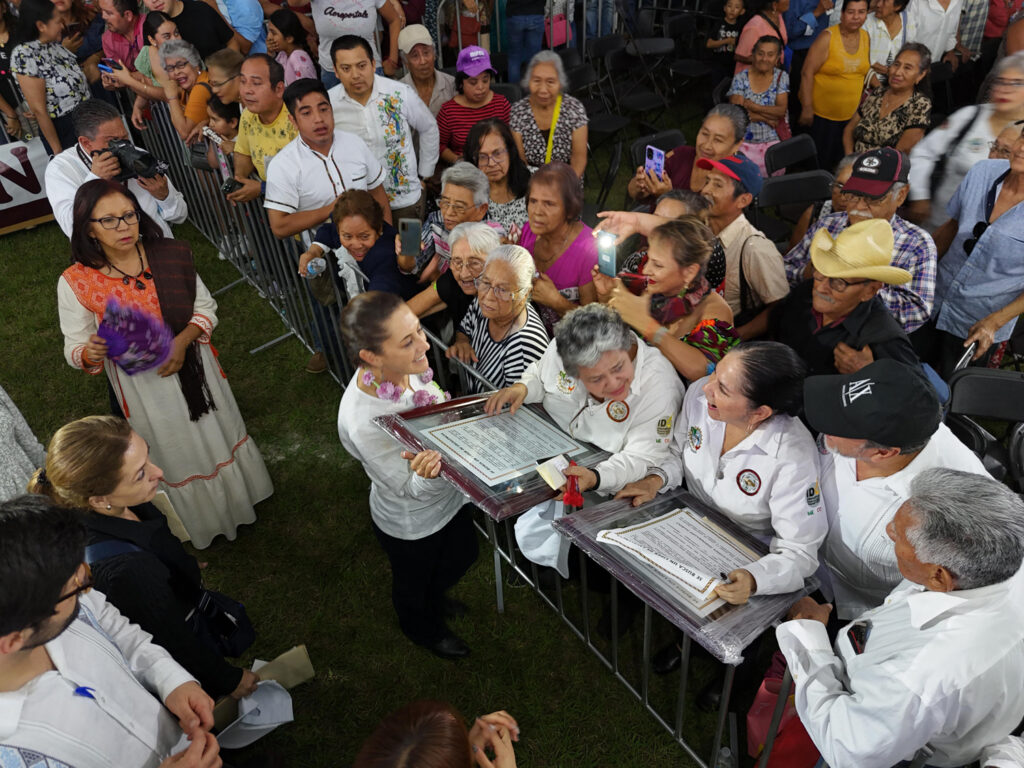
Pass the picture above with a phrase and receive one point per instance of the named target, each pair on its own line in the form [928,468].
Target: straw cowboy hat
[862,250]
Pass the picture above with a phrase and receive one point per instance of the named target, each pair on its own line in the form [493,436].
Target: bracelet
[597,483]
[659,335]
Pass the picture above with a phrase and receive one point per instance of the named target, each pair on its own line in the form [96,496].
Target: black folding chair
[664,140]
[682,30]
[786,154]
[719,91]
[789,195]
[603,124]
[511,91]
[590,211]
[570,56]
[994,396]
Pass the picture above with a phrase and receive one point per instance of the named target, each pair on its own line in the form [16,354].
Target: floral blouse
[571,116]
[66,86]
[759,132]
[875,131]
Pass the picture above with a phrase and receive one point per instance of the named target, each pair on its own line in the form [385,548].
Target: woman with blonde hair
[101,466]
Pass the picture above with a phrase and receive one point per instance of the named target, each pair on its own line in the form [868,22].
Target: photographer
[97,123]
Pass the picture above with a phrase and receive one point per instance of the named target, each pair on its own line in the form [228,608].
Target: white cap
[413,35]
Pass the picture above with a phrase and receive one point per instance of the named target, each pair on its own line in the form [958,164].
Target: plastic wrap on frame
[724,633]
[501,501]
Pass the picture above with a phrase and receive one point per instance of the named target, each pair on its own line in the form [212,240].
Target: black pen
[725,579]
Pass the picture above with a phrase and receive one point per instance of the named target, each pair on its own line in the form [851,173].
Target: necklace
[127,279]
[387,390]
[555,254]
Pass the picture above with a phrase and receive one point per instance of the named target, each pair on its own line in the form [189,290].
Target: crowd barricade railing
[241,234]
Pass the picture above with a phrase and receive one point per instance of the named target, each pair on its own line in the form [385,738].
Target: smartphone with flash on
[606,254]
[655,161]
[409,236]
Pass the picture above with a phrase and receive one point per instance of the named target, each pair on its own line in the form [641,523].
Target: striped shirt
[503,362]
[455,120]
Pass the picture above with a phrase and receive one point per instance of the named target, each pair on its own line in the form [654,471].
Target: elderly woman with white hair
[549,124]
[600,384]
[455,290]
[501,333]
[465,194]
[187,88]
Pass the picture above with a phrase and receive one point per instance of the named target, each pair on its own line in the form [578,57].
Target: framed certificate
[492,459]
[712,540]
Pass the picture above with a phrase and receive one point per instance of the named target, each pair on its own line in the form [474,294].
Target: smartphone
[230,185]
[110,64]
[964,361]
[606,254]
[409,234]
[655,161]
[74,29]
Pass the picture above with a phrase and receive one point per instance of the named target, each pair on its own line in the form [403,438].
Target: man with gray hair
[97,123]
[876,189]
[941,662]
[465,195]
[880,428]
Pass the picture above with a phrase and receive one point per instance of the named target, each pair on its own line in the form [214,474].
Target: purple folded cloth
[137,341]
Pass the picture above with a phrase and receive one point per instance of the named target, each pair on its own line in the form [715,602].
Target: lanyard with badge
[551,133]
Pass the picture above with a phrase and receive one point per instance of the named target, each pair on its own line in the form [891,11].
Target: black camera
[134,161]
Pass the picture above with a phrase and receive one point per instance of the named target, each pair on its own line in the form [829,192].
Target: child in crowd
[286,42]
[224,122]
[722,41]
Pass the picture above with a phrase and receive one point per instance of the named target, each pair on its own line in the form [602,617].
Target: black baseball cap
[876,170]
[889,402]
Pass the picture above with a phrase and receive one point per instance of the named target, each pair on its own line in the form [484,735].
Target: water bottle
[316,266]
[725,759]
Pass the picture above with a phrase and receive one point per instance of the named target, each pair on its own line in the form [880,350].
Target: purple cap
[473,60]
[738,167]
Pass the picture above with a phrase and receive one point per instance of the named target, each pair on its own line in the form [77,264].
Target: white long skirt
[213,472]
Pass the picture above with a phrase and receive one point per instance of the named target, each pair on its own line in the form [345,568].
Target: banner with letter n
[23,202]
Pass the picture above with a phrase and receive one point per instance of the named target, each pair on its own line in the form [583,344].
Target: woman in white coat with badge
[743,450]
[600,384]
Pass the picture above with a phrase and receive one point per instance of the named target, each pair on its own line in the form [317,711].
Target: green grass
[310,571]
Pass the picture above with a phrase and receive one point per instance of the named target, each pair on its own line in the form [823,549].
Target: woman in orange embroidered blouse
[184,409]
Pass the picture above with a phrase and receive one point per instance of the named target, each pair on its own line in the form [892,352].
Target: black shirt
[869,324]
[380,264]
[452,295]
[202,26]
[156,589]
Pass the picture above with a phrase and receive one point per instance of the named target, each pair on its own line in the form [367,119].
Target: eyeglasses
[446,203]
[474,266]
[837,284]
[870,202]
[114,222]
[500,292]
[1006,82]
[978,231]
[214,84]
[81,585]
[494,158]
[172,68]
[999,151]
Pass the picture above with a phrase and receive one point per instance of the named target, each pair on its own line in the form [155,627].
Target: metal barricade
[242,235]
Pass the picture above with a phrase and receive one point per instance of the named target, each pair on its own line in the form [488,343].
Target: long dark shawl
[174,276]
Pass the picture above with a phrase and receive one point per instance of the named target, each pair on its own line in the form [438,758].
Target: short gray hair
[546,57]
[519,259]
[180,49]
[585,334]
[1013,61]
[735,114]
[467,175]
[971,525]
[482,237]
[847,161]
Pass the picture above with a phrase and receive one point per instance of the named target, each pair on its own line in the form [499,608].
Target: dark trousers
[828,138]
[424,569]
[795,76]
[942,350]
